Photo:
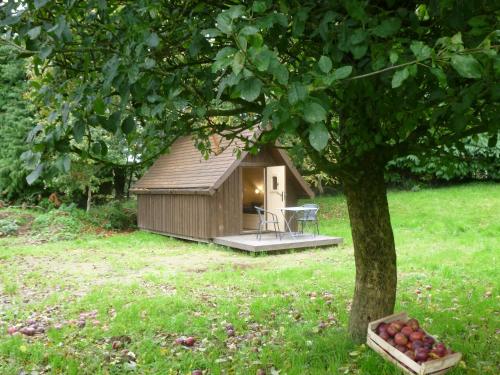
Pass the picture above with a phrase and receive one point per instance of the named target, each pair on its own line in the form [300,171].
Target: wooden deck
[269,242]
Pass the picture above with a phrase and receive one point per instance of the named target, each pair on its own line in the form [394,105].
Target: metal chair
[309,216]
[263,221]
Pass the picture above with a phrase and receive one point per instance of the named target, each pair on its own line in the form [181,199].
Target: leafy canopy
[346,78]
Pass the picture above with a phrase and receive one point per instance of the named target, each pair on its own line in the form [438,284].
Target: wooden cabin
[185,195]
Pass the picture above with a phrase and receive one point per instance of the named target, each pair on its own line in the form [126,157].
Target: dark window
[275,183]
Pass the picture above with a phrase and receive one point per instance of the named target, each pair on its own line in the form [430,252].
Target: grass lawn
[113,304]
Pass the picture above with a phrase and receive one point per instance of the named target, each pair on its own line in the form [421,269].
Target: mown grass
[289,311]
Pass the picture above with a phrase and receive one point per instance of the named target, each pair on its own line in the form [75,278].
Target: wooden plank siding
[183,215]
[228,213]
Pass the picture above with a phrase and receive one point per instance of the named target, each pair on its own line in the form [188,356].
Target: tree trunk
[374,249]
[89,197]
[119,180]
[320,185]
[131,175]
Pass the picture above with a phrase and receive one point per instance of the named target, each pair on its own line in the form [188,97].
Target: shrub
[473,160]
[58,225]
[115,215]
[8,227]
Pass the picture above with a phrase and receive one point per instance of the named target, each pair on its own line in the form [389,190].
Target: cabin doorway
[254,194]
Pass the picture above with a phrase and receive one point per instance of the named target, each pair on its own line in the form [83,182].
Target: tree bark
[119,181]
[374,249]
[89,197]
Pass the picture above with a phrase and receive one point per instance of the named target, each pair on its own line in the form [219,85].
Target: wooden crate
[434,367]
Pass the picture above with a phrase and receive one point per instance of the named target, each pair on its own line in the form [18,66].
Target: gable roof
[185,169]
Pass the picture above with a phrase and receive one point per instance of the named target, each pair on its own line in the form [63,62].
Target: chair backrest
[312,213]
[260,212]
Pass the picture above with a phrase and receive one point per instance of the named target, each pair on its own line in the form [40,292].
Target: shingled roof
[184,168]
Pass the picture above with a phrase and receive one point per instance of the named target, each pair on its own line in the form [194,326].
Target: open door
[276,193]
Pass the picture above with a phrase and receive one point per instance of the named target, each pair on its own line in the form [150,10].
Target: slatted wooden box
[434,367]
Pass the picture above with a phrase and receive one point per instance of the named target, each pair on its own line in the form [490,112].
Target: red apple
[421,355]
[407,331]
[413,324]
[428,340]
[189,341]
[414,336]
[397,325]
[381,327]
[417,344]
[391,330]
[400,339]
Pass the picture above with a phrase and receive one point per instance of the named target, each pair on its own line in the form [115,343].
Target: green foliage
[473,160]
[16,121]
[55,225]
[8,227]
[383,80]
[115,216]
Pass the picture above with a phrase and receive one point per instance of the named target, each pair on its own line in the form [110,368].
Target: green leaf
[259,6]
[355,10]
[45,52]
[104,148]
[299,22]
[34,32]
[33,176]
[223,58]
[153,40]
[318,136]
[238,62]
[325,64]
[250,89]
[296,93]
[224,23]
[387,27]
[420,50]
[342,72]
[279,72]
[358,36]
[492,141]
[235,11]
[393,57]
[457,39]
[99,106]
[313,112]
[96,148]
[466,65]
[399,77]
[128,125]
[210,33]
[40,3]
[113,122]
[359,51]
[440,75]
[262,59]
[66,163]
[78,130]
[249,30]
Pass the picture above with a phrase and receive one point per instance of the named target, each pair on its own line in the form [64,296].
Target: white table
[294,211]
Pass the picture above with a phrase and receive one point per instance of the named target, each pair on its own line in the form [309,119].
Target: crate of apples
[402,341]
